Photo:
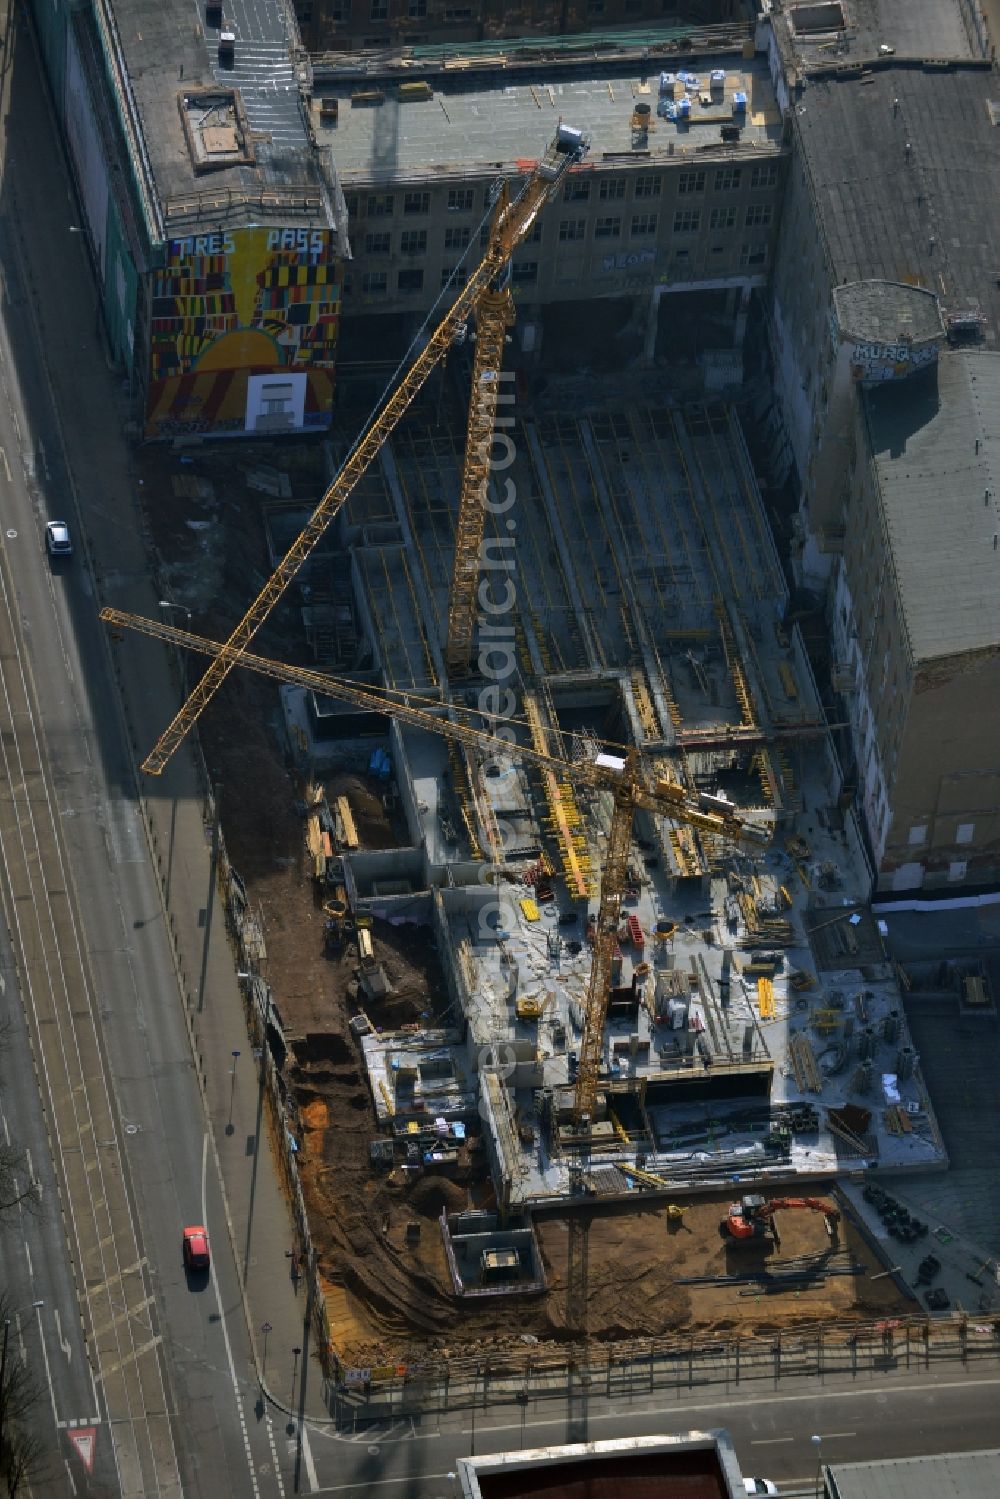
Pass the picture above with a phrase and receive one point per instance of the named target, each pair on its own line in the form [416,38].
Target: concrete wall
[946,796]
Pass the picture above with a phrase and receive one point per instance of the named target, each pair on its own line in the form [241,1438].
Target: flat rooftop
[888,312]
[915,28]
[167,53]
[699,1465]
[949,1475]
[490,122]
[906,165]
[936,444]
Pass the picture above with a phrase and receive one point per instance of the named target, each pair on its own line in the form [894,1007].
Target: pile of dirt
[378,825]
[434,1193]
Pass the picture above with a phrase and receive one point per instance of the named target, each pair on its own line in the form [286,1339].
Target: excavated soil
[388,1294]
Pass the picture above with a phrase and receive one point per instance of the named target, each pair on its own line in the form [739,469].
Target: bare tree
[20,1393]
[23,1461]
[18,1187]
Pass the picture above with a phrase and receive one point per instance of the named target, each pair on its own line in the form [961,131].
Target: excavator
[752,1219]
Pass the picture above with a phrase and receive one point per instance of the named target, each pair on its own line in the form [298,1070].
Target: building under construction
[753,1025]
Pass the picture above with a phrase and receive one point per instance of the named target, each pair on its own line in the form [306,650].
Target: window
[571,229]
[380,10]
[380,206]
[457,238]
[464,14]
[765,176]
[525,273]
[410,281]
[595,7]
[687,220]
[691,182]
[611,189]
[416,202]
[374,283]
[535,237]
[609,227]
[413,242]
[643,224]
[917,836]
[577,190]
[723,218]
[965,832]
[352,204]
[378,244]
[460,199]
[647,185]
[417,9]
[758,215]
[727,179]
[957,868]
[753,255]
[460,274]
[276,399]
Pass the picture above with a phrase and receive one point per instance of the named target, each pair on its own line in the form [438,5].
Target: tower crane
[623,776]
[512,222]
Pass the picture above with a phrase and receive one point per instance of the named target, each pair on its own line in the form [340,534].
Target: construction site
[562,901]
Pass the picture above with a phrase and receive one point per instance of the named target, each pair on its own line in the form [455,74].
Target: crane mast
[494,315]
[621,776]
[511,226]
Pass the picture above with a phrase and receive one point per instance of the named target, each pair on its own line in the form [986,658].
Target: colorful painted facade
[243,333]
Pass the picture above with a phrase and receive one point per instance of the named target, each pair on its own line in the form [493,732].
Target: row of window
[574,231]
[578,189]
[416,10]
[411,280]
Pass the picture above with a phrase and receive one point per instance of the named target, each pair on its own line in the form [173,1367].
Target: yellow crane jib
[510,227]
[621,776]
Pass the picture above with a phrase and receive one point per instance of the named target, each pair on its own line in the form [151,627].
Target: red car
[196,1251]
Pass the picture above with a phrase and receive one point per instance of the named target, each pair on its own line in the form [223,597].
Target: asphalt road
[165,1377]
[889,1416]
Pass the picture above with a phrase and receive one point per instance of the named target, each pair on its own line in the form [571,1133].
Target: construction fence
[645,1366]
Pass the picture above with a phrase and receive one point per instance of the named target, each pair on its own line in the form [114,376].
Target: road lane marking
[130,1311]
[770,1441]
[307,1457]
[108,1369]
[222,1323]
[6,465]
[822,1394]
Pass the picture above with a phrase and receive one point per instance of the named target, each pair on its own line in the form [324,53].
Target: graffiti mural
[229,308]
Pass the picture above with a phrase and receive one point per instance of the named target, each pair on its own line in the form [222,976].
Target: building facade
[213,219]
[916,623]
[358,25]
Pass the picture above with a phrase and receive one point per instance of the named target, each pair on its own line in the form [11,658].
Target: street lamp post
[817,1442]
[169,604]
[295,1370]
[265,1328]
[232,1087]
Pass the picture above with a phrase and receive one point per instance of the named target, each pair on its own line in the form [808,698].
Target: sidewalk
[108,529]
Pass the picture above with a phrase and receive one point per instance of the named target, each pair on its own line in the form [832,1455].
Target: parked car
[197,1255]
[57,539]
[760,1486]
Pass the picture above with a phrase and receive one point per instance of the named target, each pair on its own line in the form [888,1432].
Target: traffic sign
[83,1439]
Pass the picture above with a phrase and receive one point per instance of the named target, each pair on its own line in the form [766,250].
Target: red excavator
[751,1221]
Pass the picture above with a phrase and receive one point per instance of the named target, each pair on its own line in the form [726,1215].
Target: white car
[760,1486]
[57,539]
